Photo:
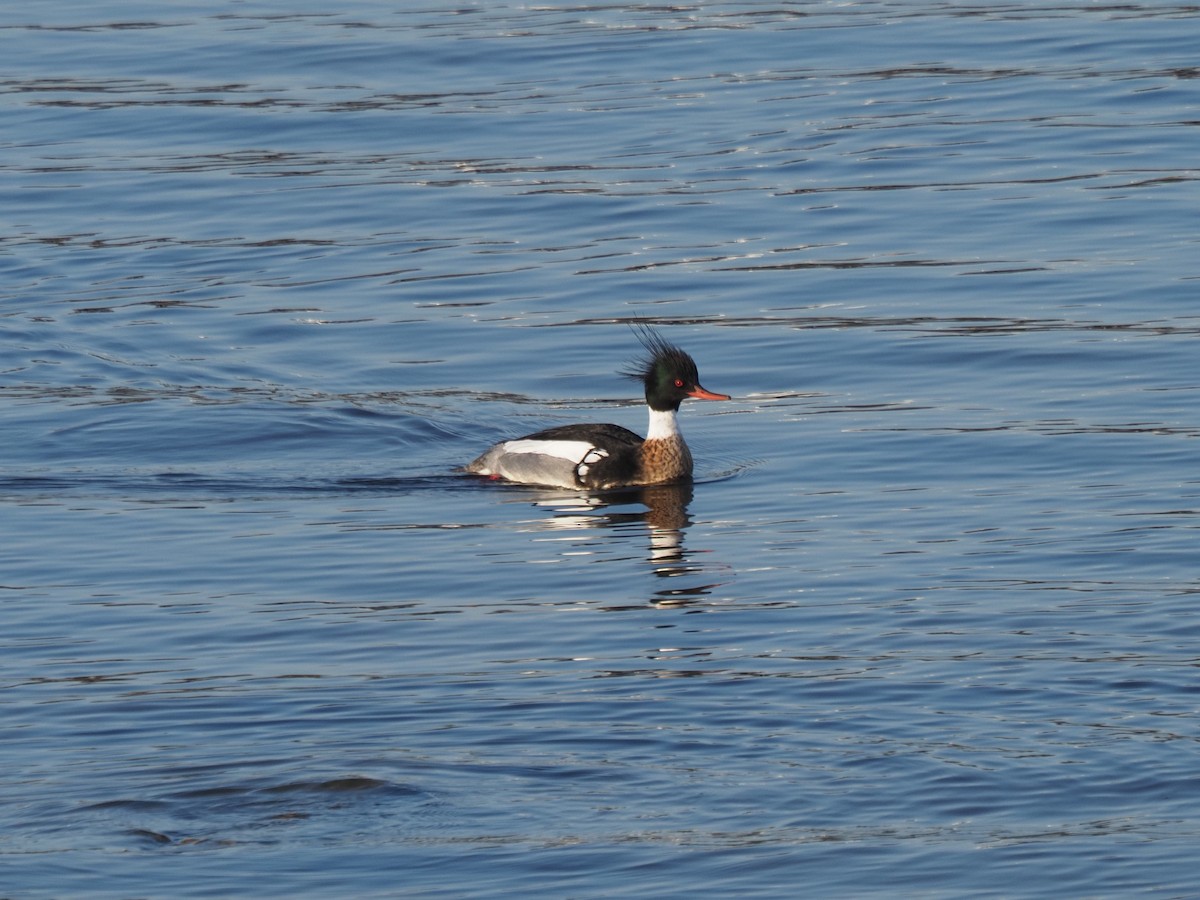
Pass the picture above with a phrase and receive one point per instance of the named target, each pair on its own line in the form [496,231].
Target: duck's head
[668,373]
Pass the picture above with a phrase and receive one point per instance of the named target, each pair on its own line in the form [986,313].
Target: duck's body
[599,456]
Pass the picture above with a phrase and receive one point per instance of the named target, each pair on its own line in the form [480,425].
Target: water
[924,625]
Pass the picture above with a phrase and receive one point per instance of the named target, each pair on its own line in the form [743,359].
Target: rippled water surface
[925,625]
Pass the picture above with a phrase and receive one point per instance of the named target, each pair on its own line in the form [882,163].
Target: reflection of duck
[667,506]
[667,519]
[608,456]
[666,509]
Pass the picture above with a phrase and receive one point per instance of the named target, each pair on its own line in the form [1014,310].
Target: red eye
[679,382]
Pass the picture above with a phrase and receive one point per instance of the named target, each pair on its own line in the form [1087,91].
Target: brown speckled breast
[664,461]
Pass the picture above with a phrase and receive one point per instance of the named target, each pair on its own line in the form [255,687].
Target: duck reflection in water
[664,514]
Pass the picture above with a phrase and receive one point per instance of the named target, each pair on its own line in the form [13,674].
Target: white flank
[662,425]
[572,451]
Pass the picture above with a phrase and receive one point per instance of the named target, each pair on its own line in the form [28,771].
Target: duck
[603,456]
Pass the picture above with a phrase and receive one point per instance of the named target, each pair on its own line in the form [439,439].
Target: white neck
[662,425]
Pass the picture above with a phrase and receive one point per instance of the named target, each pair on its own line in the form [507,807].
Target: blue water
[925,625]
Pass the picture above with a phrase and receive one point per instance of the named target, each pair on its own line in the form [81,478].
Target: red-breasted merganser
[596,457]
